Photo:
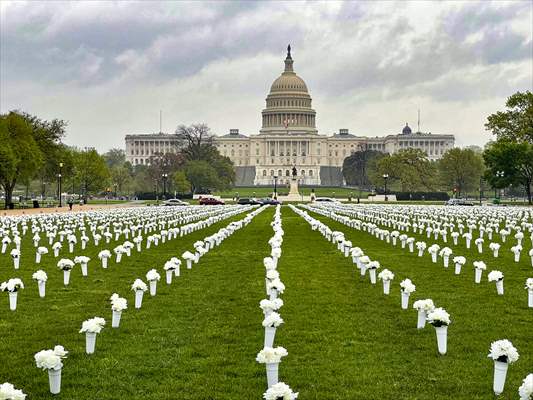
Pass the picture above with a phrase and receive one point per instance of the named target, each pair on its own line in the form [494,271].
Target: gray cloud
[108,67]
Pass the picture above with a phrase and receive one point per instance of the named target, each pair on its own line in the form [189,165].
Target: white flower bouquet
[479,267]
[525,391]
[15,255]
[8,392]
[434,250]
[406,287]
[118,304]
[440,319]
[271,357]
[39,253]
[189,257]
[91,327]
[268,262]
[494,247]
[459,261]
[269,306]
[386,277]
[153,277]
[56,247]
[12,285]
[421,246]
[83,261]
[372,267]
[516,250]
[503,353]
[423,307]
[41,278]
[273,320]
[280,391]
[274,287]
[119,250]
[479,243]
[139,287]
[51,360]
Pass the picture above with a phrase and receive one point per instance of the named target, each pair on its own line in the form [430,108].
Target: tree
[516,162]
[196,142]
[20,155]
[355,167]
[181,184]
[460,169]
[201,175]
[115,158]
[90,172]
[409,168]
[515,124]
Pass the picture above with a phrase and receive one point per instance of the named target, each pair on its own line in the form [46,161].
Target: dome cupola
[406,130]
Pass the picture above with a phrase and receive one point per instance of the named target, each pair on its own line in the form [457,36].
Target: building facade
[289,138]
[140,147]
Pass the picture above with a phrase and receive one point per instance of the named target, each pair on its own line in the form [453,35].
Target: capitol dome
[288,105]
[406,129]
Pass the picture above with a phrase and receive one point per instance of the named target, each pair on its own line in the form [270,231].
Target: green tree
[181,184]
[196,142]
[408,169]
[516,123]
[460,169]
[20,155]
[115,158]
[91,173]
[355,168]
[515,160]
[201,175]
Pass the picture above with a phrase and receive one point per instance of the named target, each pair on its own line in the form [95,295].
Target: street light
[165,177]
[386,177]
[275,187]
[59,183]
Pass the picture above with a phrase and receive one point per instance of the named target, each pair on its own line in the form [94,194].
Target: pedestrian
[70,203]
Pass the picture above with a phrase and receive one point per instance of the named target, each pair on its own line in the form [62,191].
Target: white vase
[273,294]
[467,243]
[4,247]
[386,286]
[13,300]
[90,342]
[16,262]
[500,373]
[189,264]
[169,274]
[411,247]
[516,257]
[372,273]
[177,271]
[104,262]
[499,287]
[270,333]
[457,268]
[37,258]
[363,269]
[454,240]
[139,247]
[84,269]
[405,300]
[480,248]
[42,288]
[153,288]
[139,298]
[442,338]
[495,253]
[420,252]
[530,298]
[421,319]
[477,277]
[115,321]
[434,257]
[56,252]
[54,378]
[446,260]
[66,277]
[83,244]
[272,373]
[119,257]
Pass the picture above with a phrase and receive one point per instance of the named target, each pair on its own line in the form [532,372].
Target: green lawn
[198,338]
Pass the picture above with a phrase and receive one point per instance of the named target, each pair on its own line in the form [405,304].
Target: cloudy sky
[109,67]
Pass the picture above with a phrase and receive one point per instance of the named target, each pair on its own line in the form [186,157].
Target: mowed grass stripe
[186,343]
[384,354]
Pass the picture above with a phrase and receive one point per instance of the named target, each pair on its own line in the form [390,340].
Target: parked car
[458,202]
[210,201]
[248,200]
[175,202]
[269,201]
[326,199]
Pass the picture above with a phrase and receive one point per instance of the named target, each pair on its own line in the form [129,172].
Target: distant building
[140,147]
[289,137]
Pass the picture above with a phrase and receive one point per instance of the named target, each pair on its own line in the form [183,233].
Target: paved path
[87,207]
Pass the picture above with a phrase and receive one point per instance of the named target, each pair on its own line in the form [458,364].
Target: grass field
[283,190]
[198,338]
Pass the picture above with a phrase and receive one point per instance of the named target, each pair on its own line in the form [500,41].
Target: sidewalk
[75,208]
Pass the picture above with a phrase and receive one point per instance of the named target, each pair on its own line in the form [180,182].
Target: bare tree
[195,142]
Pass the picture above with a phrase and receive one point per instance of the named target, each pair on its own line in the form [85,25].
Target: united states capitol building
[289,138]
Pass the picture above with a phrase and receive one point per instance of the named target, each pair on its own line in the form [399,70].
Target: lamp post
[115,185]
[59,183]
[386,177]
[499,174]
[480,189]
[275,187]
[165,177]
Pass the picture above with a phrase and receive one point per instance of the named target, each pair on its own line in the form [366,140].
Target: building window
[264,172]
[257,160]
[310,172]
[287,173]
[303,172]
[279,172]
[271,172]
